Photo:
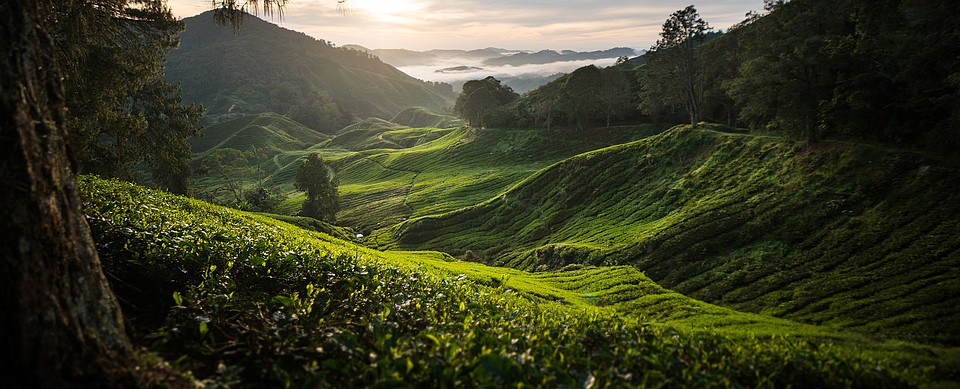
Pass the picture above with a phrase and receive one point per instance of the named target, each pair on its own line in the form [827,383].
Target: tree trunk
[61,324]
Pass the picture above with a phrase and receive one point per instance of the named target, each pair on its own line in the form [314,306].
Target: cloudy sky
[469,24]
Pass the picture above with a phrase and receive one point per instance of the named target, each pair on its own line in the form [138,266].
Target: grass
[239,299]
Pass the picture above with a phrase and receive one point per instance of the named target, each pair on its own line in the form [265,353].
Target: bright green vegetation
[422,117]
[390,172]
[263,68]
[269,132]
[464,166]
[848,235]
[242,299]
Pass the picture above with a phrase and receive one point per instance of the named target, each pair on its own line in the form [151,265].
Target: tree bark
[61,324]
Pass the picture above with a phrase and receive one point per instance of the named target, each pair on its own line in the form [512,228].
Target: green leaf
[177,298]
[203,328]
[283,300]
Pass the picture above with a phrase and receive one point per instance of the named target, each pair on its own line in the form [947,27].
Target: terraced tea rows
[847,235]
[272,304]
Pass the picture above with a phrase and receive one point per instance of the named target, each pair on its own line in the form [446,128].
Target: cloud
[467,24]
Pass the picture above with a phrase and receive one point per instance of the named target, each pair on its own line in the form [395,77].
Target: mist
[475,70]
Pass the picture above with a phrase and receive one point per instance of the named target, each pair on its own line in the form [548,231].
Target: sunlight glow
[393,11]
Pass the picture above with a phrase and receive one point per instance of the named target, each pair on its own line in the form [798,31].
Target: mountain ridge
[263,67]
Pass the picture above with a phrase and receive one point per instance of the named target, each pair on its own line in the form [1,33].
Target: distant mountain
[266,68]
[489,52]
[398,57]
[548,56]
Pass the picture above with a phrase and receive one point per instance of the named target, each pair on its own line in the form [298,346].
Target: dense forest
[774,205]
[878,72]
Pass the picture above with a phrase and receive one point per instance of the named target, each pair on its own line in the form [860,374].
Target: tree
[793,62]
[319,180]
[480,99]
[580,97]
[674,72]
[232,166]
[120,110]
[61,325]
[615,93]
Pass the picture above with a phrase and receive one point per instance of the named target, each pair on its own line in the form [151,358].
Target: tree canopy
[120,110]
[481,98]
[674,74]
[319,180]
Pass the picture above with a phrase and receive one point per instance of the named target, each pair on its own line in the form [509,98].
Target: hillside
[847,235]
[239,298]
[267,131]
[440,170]
[263,68]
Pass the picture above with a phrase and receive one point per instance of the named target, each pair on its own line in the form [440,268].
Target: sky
[472,24]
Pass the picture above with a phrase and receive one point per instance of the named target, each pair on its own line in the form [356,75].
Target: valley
[220,201]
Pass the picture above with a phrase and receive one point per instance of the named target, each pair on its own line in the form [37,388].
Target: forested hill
[266,68]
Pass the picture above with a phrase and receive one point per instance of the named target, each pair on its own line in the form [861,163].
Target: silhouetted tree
[580,97]
[615,93]
[673,74]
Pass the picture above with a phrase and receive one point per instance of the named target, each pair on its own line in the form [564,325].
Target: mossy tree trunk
[61,325]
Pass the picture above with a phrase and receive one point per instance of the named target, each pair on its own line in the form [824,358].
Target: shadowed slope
[264,67]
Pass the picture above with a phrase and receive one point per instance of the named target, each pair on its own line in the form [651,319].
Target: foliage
[121,112]
[587,96]
[580,96]
[319,180]
[858,70]
[263,200]
[243,300]
[481,99]
[674,74]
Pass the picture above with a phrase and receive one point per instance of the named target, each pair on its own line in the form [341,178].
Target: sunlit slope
[396,174]
[237,297]
[422,117]
[847,235]
[269,132]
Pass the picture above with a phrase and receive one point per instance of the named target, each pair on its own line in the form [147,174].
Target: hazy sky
[470,24]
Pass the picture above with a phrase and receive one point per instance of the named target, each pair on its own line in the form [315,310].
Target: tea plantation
[239,299]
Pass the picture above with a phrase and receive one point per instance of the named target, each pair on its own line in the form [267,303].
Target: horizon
[422,25]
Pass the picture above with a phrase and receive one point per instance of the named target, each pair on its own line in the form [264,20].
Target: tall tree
[61,324]
[481,98]
[580,96]
[795,57]
[674,70]
[320,181]
[120,109]
[615,93]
